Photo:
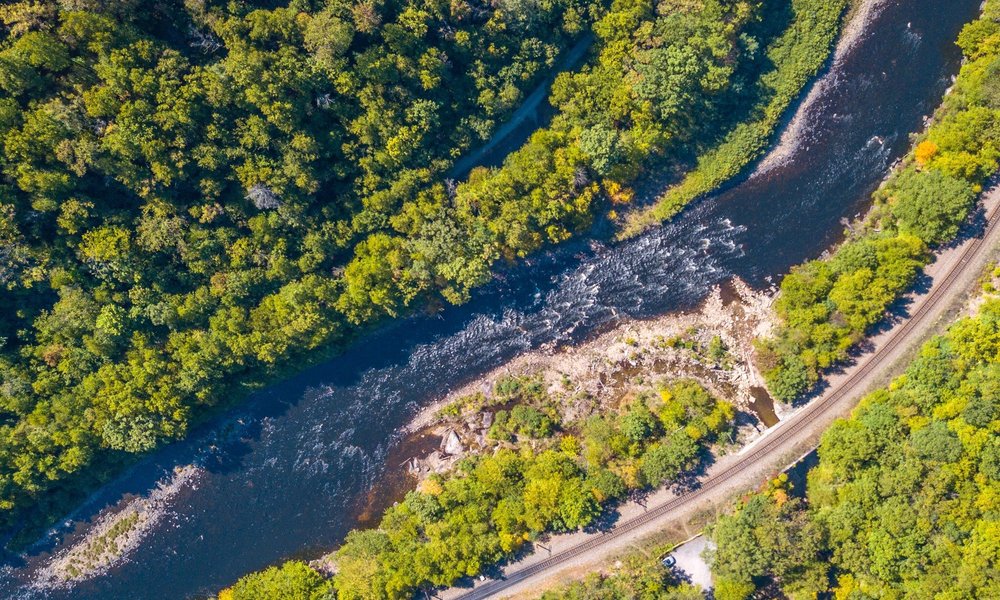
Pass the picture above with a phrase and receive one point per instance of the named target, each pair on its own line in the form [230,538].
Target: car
[668,561]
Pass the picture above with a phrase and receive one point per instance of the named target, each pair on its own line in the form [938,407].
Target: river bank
[115,534]
[315,444]
[831,304]
[798,55]
[675,345]
[590,366]
[860,16]
[711,345]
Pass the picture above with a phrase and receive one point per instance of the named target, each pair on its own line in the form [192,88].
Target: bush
[790,377]
[826,306]
[936,442]
[293,580]
[930,204]
[635,578]
[666,460]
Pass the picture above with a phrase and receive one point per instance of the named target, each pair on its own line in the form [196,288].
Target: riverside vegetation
[635,579]
[195,192]
[905,500]
[826,306]
[179,181]
[814,26]
[538,473]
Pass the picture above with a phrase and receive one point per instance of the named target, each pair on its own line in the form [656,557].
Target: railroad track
[806,417]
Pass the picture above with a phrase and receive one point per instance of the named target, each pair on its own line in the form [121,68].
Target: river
[285,474]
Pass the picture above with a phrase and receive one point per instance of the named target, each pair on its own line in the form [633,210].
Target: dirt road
[952,273]
[527,111]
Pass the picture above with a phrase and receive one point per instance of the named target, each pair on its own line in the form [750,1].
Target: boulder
[452,444]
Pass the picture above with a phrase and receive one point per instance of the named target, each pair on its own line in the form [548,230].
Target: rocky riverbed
[114,534]
[712,345]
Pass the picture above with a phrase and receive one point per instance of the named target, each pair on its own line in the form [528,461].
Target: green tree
[293,580]
[930,204]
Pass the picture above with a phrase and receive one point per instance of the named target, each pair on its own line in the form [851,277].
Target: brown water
[763,406]
[396,480]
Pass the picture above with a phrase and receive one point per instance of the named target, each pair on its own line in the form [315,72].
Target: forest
[195,193]
[827,306]
[538,474]
[905,500]
[181,184]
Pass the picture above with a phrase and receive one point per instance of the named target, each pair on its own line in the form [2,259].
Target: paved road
[952,273]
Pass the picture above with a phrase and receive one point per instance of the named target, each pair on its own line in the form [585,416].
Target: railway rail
[901,336]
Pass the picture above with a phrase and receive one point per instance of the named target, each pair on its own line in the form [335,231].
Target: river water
[285,474]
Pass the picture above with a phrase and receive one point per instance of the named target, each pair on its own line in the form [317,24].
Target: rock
[327,565]
[438,462]
[452,444]
[263,197]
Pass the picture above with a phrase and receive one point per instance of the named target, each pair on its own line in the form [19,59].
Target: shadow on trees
[901,309]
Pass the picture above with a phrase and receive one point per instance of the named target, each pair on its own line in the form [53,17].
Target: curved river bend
[284,475]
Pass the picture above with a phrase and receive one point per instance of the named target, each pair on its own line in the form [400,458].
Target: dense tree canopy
[794,56]
[182,183]
[293,580]
[634,578]
[905,500]
[194,192]
[826,306]
[769,536]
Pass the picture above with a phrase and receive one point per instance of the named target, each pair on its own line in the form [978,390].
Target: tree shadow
[745,101]
[902,307]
